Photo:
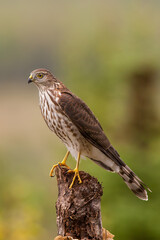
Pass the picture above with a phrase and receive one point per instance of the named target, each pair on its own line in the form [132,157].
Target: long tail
[134,183]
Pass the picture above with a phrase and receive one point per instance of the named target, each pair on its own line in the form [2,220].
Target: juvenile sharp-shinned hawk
[74,123]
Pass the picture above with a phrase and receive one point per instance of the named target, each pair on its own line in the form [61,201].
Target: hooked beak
[30,79]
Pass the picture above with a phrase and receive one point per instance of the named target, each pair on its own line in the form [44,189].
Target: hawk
[74,123]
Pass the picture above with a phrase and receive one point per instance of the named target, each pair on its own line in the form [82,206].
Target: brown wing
[80,114]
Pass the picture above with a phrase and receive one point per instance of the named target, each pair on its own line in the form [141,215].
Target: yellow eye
[40,75]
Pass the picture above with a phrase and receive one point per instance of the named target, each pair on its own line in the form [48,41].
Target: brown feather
[80,114]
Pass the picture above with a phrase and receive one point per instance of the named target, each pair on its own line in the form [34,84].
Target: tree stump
[78,209]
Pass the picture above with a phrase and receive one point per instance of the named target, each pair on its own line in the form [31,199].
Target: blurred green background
[106,52]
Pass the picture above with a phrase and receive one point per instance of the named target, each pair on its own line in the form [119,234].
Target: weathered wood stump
[78,209]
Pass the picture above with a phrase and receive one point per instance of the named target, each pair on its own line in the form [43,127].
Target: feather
[80,114]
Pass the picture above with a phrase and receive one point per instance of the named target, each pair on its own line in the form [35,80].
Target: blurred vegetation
[101,51]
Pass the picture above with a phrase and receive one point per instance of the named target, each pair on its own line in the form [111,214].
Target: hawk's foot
[56,165]
[63,163]
[76,174]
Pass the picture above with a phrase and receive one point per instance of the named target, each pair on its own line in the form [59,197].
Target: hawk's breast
[61,125]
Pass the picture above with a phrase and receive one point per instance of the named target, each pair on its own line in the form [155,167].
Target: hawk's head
[42,77]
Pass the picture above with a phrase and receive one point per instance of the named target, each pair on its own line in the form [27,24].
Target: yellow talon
[54,166]
[75,171]
[63,163]
[76,174]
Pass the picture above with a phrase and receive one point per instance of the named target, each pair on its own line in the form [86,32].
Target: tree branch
[78,209]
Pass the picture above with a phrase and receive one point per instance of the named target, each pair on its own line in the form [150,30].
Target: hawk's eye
[40,75]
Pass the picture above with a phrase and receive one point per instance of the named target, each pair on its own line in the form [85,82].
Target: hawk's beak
[30,79]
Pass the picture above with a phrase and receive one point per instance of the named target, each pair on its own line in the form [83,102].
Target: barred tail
[134,183]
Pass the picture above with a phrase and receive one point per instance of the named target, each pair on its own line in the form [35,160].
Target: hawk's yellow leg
[76,172]
[63,163]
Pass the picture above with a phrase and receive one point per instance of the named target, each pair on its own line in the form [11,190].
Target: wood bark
[78,209]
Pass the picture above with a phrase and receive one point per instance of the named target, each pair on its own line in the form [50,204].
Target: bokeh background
[106,52]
